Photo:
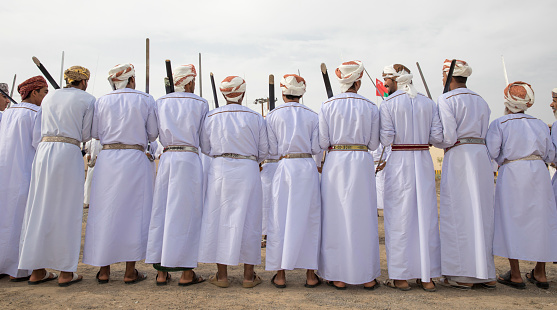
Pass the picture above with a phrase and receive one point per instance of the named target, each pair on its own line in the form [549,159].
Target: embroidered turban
[402,77]
[182,76]
[76,74]
[233,87]
[119,75]
[29,85]
[4,87]
[292,84]
[519,96]
[348,73]
[461,68]
[553,92]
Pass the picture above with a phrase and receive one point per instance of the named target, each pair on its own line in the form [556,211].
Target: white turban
[461,68]
[233,87]
[519,96]
[119,75]
[553,92]
[182,76]
[348,73]
[292,84]
[403,79]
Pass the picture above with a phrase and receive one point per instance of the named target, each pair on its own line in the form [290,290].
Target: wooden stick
[45,73]
[371,81]
[380,159]
[271,92]
[214,90]
[200,79]
[62,70]
[326,80]
[423,80]
[449,77]
[147,64]
[13,86]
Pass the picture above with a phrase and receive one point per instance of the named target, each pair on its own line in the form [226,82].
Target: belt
[121,146]
[348,147]
[60,139]
[180,148]
[236,156]
[531,157]
[296,155]
[466,141]
[410,147]
[269,161]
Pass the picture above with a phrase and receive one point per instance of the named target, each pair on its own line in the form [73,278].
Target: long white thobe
[349,236]
[525,210]
[554,176]
[467,197]
[380,176]
[267,173]
[19,136]
[122,190]
[178,200]
[231,225]
[51,234]
[294,223]
[93,148]
[410,214]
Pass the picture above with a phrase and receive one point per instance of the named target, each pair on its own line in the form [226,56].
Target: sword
[380,160]
[169,76]
[423,80]
[214,90]
[449,77]
[326,80]
[45,73]
[200,79]
[271,92]
[147,65]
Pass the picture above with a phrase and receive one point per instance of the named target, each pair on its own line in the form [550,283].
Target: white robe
[410,200]
[467,197]
[380,176]
[349,234]
[51,235]
[178,200]
[525,209]
[267,174]
[551,169]
[231,225]
[294,223]
[19,137]
[93,148]
[122,190]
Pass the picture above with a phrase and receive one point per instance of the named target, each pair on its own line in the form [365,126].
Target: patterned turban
[233,87]
[182,76]
[4,87]
[292,84]
[461,68]
[29,85]
[403,79]
[76,74]
[348,73]
[519,96]
[119,75]
[553,92]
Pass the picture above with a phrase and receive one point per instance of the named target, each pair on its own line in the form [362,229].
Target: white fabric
[231,225]
[267,174]
[349,234]
[467,197]
[516,104]
[525,209]
[403,80]
[123,195]
[182,76]
[292,84]
[461,68]
[411,225]
[552,170]
[233,88]
[93,148]
[51,234]
[348,73]
[178,200]
[120,74]
[19,137]
[152,150]
[380,176]
[294,224]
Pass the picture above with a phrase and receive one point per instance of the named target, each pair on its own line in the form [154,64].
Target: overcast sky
[253,39]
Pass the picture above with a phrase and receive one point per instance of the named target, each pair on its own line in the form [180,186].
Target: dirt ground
[145,295]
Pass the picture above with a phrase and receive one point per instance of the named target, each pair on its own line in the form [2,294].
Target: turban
[553,92]
[403,79]
[292,84]
[29,85]
[76,74]
[182,76]
[119,75]
[519,96]
[233,87]
[4,87]
[348,73]
[461,68]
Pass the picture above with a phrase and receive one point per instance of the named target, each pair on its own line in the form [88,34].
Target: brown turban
[29,85]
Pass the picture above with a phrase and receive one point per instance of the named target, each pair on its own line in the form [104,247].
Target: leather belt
[180,148]
[296,155]
[269,161]
[531,157]
[466,141]
[236,156]
[121,146]
[410,147]
[60,139]
[348,147]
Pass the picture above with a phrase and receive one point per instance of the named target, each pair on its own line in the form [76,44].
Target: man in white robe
[467,197]
[294,223]
[51,235]
[19,136]
[553,106]
[348,128]
[236,137]
[410,122]
[4,101]
[525,209]
[175,226]
[93,147]
[122,190]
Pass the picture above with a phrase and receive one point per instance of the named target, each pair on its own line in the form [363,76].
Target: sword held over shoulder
[45,73]
[326,80]
[423,80]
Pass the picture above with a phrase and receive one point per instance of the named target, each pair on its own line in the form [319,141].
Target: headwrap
[119,75]
[292,84]
[348,73]
[461,68]
[76,74]
[4,87]
[553,92]
[29,85]
[233,87]
[182,76]
[403,79]
[519,96]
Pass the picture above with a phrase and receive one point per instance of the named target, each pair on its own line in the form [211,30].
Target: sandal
[22,279]
[140,277]
[371,288]
[278,285]
[319,282]
[256,281]
[165,282]
[214,280]
[450,283]
[195,280]
[430,290]
[99,280]
[506,280]
[332,283]
[391,283]
[45,279]
[532,279]
[488,286]
[75,278]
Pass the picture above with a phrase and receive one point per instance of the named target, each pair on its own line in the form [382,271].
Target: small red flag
[381,89]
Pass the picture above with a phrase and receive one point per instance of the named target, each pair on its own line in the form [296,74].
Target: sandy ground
[145,295]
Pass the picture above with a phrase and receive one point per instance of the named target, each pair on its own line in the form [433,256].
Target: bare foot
[311,278]
[370,284]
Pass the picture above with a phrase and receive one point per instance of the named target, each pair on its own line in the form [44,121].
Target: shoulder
[348,96]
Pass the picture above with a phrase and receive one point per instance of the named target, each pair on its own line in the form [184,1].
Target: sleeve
[95,124]
[263,149]
[152,126]
[204,140]
[37,134]
[375,129]
[436,131]
[550,147]
[324,141]
[494,140]
[88,121]
[315,147]
[448,123]
[95,148]
[273,142]
[387,130]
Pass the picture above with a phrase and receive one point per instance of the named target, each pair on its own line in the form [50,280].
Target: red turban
[29,85]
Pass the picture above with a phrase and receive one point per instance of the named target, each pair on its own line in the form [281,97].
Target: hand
[380,167]
[320,169]
[149,156]
[88,157]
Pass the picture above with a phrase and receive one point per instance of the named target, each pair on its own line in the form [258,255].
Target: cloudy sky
[253,39]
